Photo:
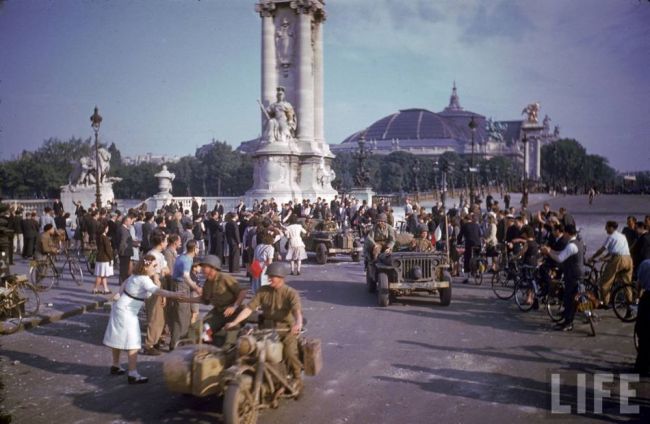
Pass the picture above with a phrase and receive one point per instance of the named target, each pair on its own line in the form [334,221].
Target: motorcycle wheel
[239,406]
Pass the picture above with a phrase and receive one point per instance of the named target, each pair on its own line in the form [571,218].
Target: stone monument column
[305,80]
[292,159]
[319,127]
[269,63]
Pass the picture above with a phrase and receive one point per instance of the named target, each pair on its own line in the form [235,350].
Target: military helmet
[277,269]
[212,261]
[422,228]
[382,217]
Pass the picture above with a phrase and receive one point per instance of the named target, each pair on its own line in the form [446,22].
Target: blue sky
[170,75]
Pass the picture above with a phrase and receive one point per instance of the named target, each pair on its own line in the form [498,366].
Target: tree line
[216,169]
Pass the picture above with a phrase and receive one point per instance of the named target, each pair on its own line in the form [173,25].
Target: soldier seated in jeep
[421,243]
[381,239]
[327,224]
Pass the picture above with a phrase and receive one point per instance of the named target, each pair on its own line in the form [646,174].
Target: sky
[170,75]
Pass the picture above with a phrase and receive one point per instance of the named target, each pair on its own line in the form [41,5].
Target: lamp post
[416,172]
[472,126]
[524,190]
[96,120]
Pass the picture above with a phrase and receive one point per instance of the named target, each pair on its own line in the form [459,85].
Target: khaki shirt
[222,292]
[328,226]
[384,237]
[278,305]
[421,245]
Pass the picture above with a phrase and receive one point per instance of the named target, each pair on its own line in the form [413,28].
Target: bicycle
[624,296]
[43,274]
[87,256]
[505,279]
[586,302]
[478,265]
[527,290]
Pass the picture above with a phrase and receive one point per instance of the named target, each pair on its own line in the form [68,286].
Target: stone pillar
[269,74]
[538,159]
[305,80]
[319,128]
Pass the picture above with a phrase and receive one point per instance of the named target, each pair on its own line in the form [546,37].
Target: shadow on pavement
[508,390]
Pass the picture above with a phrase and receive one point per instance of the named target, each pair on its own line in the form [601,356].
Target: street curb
[32,322]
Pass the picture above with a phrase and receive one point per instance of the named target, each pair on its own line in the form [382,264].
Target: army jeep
[331,243]
[404,273]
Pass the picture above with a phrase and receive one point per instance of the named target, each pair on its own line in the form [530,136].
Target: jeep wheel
[321,254]
[371,284]
[383,297]
[445,293]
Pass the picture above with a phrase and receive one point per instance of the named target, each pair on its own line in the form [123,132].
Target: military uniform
[384,238]
[327,225]
[421,245]
[221,293]
[278,309]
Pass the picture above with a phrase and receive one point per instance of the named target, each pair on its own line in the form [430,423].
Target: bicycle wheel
[625,310]
[42,277]
[502,285]
[32,301]
[12,317]
[525,295]
[590,317]
[555,305]
[75,271]
[477,275]
[91,259]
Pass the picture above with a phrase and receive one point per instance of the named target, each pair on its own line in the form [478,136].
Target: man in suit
[470,232]
[234,242]
[125,246]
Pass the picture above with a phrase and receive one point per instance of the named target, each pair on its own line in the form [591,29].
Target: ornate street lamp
[472,126]
[524,191]
[416,172]
[96,120]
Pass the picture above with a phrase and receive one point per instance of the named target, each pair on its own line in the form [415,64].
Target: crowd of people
[173,245]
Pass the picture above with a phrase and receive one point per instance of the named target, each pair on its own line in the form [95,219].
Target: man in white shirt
[619,265]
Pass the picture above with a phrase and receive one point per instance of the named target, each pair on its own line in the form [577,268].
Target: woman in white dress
[123,330]
[296,252]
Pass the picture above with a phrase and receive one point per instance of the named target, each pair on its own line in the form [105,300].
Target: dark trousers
[642,328]
[233,258]
[125,268]
[217,320]
[30,246]
[467,256]
[570,290]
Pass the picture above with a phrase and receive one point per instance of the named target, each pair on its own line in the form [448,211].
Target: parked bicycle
[478,265]
[44,273]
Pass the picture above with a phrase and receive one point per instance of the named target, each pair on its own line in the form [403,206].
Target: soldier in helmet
[421,243]
[280,306]
[381,239]
[327,225]
[223,292]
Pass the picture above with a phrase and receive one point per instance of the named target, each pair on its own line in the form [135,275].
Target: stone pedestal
[362,193]
[85,195]
[533,154]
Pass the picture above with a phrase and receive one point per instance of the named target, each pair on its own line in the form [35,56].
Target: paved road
[478,360]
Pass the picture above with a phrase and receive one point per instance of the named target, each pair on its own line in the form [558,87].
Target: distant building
[149,158]
[426,133]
